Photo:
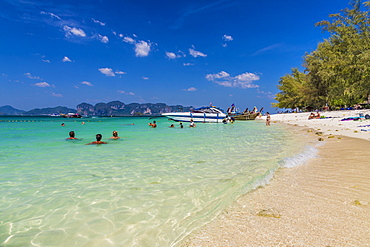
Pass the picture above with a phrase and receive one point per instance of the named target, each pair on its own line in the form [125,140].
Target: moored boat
[210,114]
[71,115]
[245,116]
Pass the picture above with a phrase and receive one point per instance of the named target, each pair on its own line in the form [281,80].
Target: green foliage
[338,71]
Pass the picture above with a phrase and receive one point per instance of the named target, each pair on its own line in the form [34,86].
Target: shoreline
[325,202]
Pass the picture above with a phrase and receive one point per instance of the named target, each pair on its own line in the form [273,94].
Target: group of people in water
[98,137]
[192,124]
[72,134]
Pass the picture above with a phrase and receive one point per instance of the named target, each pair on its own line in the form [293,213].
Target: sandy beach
[325,202]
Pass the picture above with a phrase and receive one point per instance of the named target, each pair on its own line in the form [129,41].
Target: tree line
[337,73]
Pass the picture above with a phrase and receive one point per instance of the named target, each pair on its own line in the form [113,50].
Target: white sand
[323,203]
[330,125]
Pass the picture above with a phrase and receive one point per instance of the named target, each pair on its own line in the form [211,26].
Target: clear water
[152,187]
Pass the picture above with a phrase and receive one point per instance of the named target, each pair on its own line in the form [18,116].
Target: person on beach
[268,119]
[312,116]
[98,140]
[154,124]
[71,136]
[115,135]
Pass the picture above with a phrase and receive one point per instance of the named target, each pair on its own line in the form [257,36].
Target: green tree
[338,71]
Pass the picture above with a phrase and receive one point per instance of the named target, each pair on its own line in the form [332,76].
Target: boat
[245,116]
[210,114]
[71,115]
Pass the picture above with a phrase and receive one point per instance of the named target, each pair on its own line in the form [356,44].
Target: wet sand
[323,203]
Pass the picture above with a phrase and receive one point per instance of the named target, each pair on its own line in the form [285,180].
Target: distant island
[114,108]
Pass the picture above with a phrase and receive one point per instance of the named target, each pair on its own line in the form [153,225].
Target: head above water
[115,133]
[71,134]
[98,137]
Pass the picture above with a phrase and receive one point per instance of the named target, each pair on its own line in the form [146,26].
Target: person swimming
[98,140]
[115,135]
[154,124]
[71,136]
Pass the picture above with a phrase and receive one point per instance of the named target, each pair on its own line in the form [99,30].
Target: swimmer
[98,140]
[192,124]
[154,124]
[71,136]
[115,135]
[181,126]
[172,126]
[63,124]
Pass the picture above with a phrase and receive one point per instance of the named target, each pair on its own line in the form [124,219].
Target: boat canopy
[207,110]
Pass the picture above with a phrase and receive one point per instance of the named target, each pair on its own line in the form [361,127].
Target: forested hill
[114,108]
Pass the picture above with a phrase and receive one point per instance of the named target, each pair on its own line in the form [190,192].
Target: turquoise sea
[152,187]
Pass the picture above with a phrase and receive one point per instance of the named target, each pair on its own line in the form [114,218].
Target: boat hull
[248,116]
[196,117]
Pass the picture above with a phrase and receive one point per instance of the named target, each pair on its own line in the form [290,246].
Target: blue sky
[194,52]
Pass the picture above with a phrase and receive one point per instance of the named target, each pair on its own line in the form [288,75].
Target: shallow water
[152,187]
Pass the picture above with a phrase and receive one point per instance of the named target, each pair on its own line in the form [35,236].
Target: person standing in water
[115,135]
[98,140]
[71,136]
[268,119]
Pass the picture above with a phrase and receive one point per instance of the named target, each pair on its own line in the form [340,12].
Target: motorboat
[245,116]
[210,114]
[71,115]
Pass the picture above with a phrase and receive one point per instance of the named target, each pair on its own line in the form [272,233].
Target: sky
[186,52]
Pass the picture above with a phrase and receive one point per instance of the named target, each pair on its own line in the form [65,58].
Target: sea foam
[309,152]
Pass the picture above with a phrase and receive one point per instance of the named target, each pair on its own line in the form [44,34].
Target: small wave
[308,153]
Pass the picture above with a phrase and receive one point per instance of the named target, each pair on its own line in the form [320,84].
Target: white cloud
[124,92]
[57,95]
[99,22]
[244,80]
[74,31]
[51,14]
[107,71]
[188,64]
[227,38]
[120,72]
[145,78]
[171,55]
[195,53]
[66,59]
[268,48]
[268,94]
[128,40]
[42,84]
[191,89]
[87,83]
[45,60]
[32,77]
[142,49]
[101,38]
